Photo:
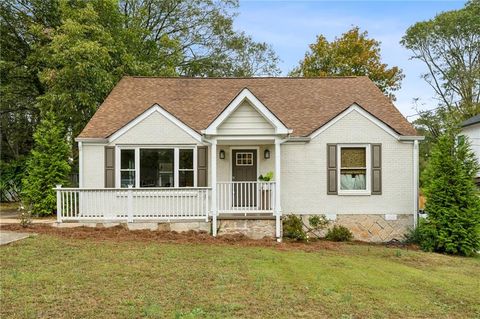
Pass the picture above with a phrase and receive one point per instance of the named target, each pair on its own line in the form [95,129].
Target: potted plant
[265,191]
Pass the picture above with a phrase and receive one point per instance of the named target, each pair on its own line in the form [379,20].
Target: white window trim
[366,191]
[137,148]
[243,153]
[134,169]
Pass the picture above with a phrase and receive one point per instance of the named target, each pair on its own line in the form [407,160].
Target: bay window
[157,167]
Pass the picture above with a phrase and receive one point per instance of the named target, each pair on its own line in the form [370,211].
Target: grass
[51,277]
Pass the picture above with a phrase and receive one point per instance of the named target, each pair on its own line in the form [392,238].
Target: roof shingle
[302,104]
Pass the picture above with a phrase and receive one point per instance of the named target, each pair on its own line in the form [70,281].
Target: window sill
[354,193]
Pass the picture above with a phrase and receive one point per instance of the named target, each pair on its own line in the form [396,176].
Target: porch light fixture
[266,154]
[222,154]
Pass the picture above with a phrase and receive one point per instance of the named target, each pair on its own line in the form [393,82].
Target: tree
[449,45]
[19,81]
[351,54]
[200,36]
[453,205]
[66,55]
[79,66]
[47,166]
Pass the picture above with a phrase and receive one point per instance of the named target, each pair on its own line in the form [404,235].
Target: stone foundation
[252,228]
[373,227]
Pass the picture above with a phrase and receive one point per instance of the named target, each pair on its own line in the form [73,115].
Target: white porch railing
[132,204]
[245,197]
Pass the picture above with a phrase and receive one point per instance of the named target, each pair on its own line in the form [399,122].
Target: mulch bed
[121,233]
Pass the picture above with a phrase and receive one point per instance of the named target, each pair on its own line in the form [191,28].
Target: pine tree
[47,166]
[453,202]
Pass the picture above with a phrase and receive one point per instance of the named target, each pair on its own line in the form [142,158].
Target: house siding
[155,129]
[93,165]
[304,175]
[473,134]
[245,120]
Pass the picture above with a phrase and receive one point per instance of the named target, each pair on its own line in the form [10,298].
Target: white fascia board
[245,94]
[155,108]
[411,138]
[97,140]
[361,111]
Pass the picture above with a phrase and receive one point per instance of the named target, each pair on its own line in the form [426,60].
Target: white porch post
[213,156]
[415,182]
[59,203]
[278,208]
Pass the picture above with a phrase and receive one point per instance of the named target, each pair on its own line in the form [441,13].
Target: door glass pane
[186,159]
[185,178]
[127,159]
[156,168]
[127,178]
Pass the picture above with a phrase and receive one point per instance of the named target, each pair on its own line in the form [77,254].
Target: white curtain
[352,181]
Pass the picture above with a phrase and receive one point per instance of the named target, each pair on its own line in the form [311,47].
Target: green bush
[46,167]
[453,206]
[422,235]
[293,228]
[339,233]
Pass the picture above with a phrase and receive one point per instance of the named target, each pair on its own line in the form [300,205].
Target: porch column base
[278,232]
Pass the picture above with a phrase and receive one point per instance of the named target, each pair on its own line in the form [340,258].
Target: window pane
[353,157]
[186,159]
[127,178]
[127,159]
[185,178]
[156,168]
[353,179]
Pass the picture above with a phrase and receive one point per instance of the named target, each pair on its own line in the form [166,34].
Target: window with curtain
[353,168]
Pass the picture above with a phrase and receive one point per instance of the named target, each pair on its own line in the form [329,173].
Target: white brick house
[191,151]
[471,130]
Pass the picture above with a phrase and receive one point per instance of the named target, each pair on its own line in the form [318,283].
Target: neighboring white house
[471,129]
[189,152]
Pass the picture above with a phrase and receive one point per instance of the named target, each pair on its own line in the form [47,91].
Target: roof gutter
[411,138]
[300,139]
[91,139]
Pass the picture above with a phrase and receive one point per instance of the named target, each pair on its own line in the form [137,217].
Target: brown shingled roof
[302,104]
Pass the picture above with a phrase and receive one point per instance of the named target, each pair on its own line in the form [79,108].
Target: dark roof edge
[471,121]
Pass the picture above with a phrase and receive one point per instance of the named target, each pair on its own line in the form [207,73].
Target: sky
[290,26]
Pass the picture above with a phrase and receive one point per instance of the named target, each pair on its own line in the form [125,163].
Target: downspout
[415,182]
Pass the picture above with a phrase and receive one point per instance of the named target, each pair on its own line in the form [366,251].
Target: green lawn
[54,277]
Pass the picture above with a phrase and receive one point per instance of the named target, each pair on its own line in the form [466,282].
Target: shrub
[293,228]
[339,233]
[422,235]
[47,166]
[453,222]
